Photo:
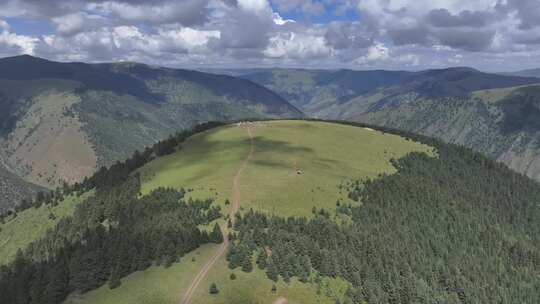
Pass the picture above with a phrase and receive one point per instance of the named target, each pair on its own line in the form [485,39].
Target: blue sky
[29,26]
[493,35]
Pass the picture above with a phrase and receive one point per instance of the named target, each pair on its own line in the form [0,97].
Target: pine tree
[233,256]
[247,265]
[232,276]
[56,289]
[261,259]
[272,271]
[216,236]
[114,280]
[213,289]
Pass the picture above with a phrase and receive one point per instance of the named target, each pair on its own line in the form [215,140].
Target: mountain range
[494,114]
[525,73]
[61,121]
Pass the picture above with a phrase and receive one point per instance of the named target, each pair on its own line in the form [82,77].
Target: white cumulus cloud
[297,45]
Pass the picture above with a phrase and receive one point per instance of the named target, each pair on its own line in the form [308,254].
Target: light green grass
[206,163]
[159,285]
[256,288]
[156,285]
[327,154]
[31,225]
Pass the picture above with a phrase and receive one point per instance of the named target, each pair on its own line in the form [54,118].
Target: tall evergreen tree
[114,280]
[261,259]
[213,289]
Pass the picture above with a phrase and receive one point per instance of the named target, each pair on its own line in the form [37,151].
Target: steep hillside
[319,92]
[60,121]
[526,73]
[13,189]
[308,88]
[502,123]
[286,211]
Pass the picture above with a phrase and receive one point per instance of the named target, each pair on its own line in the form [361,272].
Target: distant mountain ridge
[495,114]
[60,121]
[526,73]
[307,88]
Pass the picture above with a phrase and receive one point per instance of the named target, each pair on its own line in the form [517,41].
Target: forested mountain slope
[13,189]
[61,121]
[328,213]
[320,93]
[502,123]
[526,73]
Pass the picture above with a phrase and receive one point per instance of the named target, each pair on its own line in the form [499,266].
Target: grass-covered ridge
[297,165]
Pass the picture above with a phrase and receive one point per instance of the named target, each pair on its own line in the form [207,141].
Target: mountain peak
[23,58]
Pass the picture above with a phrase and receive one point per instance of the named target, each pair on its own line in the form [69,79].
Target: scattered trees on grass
[109,236]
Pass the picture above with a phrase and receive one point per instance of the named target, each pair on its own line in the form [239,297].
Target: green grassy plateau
[325,154]
[296,165]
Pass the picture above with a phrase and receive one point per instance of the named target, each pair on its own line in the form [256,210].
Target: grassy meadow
[326,155]
[256,288]
[156,285]
[32,224]
[160,285]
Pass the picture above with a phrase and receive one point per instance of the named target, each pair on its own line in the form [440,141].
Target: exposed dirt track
[281,300]
[235,206]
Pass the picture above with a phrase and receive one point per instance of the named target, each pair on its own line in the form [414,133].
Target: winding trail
[224,230]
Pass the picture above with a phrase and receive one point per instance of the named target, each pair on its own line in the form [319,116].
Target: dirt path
[281,300]
[224,230]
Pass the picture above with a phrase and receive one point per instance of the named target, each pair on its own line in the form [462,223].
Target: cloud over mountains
[396,34]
